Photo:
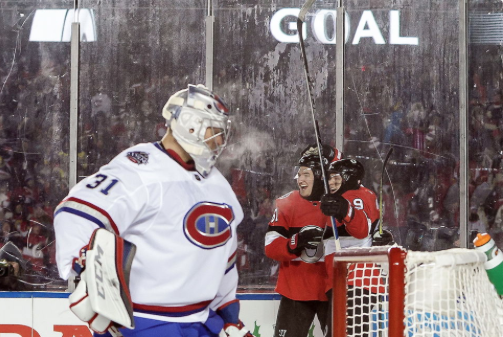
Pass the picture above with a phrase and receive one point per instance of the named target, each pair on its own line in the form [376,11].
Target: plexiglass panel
[258,66]
[485,116]
[401,91]
[34,104]
[143,53]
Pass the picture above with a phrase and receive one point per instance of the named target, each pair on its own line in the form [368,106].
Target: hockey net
[387,291]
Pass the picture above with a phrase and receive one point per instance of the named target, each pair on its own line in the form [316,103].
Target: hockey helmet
[189,113]
[351,172]
[310,158]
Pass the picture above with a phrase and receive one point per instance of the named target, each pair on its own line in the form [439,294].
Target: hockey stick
[300,21]
[381,211]
[380,298]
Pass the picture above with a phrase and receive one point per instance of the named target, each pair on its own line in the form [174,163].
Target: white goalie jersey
[183,225]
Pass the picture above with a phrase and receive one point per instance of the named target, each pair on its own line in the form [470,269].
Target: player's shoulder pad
[351,195]
[139,155]
[285,196]
[285,201]
[368,191]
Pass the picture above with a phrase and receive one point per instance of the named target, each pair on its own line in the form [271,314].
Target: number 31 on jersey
[98,180]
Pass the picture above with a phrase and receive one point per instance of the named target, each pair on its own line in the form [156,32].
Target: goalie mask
[189,113]
[310,158]
[351,172]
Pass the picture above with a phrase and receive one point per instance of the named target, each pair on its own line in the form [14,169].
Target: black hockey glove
[334,205]
[308,237]
[384,239]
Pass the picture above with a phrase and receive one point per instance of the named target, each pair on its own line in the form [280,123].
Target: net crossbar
[386,291]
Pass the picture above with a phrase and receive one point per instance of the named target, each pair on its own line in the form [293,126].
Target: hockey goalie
[168,200]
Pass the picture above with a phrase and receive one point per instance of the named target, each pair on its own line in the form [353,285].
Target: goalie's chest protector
[190,234]
[184,225]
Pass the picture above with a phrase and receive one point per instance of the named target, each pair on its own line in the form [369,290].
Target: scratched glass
[401,90]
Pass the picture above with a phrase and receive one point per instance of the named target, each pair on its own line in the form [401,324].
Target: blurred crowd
[420,187]
[34,158]
[421,183]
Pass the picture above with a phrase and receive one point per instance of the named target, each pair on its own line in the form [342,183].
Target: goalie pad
[102,297]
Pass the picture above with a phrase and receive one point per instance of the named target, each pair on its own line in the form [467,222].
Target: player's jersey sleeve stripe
[171,311]
[87,211]
[369,222]
[299,259]
[282,231]
[231,262]
[81,214]
[271,236]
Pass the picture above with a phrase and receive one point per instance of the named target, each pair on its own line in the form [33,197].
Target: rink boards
[40,314]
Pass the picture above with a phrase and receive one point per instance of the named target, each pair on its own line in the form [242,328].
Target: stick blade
[388,155]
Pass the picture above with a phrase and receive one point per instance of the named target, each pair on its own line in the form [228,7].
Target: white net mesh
[367,298]
[447,293]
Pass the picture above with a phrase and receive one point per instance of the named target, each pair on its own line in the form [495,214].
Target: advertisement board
[26,314]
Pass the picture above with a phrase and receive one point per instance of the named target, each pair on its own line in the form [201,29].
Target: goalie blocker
[102,297]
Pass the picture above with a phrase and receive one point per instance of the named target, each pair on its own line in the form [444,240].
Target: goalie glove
[233,327]
[102,297]
[237,330]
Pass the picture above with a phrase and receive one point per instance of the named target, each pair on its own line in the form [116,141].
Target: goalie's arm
[72,233]
[228,284]
[225,303]
[87,208]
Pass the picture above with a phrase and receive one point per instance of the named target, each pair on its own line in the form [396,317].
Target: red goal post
[387,291]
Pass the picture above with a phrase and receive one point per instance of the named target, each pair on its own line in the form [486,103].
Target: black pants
[360,304]
[295,317]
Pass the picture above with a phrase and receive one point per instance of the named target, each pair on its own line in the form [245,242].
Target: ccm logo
[98,269]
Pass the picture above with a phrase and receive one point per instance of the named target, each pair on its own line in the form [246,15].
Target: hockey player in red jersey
[294,239]
[356,210]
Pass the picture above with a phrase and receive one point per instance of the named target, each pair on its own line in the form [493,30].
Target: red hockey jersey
[297,280]
[356,231]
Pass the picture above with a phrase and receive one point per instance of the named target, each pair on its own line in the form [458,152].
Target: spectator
[9,234]
[434,137]
[4,196]
[393,133]
[475,224]
[100,103]
[416,126]
[13,266]
[36,241]
[5,170]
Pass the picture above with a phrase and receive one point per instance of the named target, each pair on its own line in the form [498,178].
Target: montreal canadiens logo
[207,224]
